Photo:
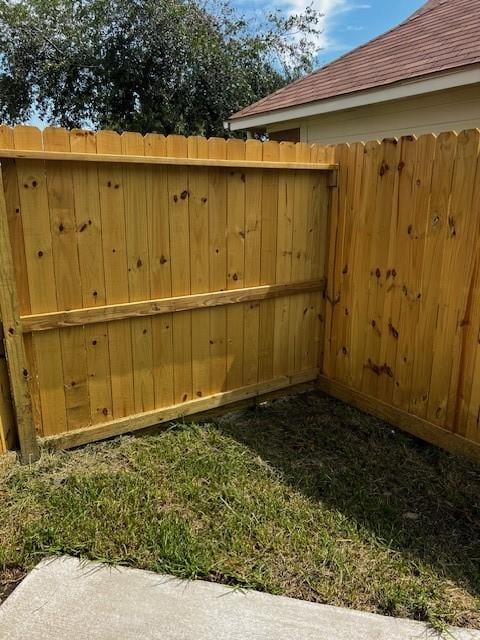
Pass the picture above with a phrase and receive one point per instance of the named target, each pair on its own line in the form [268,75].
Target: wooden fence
[403,310]
[145,278]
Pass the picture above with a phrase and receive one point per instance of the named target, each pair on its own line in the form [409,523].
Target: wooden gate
[146,278]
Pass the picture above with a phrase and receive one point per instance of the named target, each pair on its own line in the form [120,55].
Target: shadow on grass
[412,496]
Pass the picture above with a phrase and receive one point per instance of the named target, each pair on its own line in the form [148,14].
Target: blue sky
[346,23]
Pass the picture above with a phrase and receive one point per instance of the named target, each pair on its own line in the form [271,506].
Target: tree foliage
[146,65]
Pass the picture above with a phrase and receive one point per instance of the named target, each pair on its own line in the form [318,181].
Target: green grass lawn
[303,496]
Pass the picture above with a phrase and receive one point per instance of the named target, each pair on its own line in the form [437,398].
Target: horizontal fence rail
[167,414]
[76,317]
[152,160]
[153,277]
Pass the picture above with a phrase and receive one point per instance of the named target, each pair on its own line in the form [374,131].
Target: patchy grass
[304,497]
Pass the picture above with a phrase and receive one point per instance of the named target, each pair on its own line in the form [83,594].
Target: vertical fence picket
[112,213]
[319,226]
[138,266]
[286,212]
[235,263]
[217,215]
[63,228]
[92,275]
[345,296]
[177,147]
[160,270]
[198,208]
[435,240]
[268,261]
[253,237]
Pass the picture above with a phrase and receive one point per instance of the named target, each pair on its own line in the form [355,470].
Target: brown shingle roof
[441,35]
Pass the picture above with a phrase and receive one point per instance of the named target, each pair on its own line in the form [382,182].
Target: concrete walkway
[64,599]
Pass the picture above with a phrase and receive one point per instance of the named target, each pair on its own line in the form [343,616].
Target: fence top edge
[160,160]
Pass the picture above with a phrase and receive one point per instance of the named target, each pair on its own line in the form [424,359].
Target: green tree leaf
[180,66]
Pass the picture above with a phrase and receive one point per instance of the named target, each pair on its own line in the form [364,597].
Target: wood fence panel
[299,305]
[124,267]
[403,310]
[318,230]
[409,271]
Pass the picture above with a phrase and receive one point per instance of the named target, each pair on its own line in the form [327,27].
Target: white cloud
[330,9]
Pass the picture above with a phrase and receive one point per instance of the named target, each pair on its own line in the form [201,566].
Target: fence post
[14,346]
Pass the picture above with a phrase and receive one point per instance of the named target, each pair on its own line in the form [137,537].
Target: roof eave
[406,88]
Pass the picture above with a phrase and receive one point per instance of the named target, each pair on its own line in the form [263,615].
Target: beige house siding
[453,109]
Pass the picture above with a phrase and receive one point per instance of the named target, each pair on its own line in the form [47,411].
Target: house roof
[442,35]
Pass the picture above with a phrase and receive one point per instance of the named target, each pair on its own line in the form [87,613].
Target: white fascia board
[413,87]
